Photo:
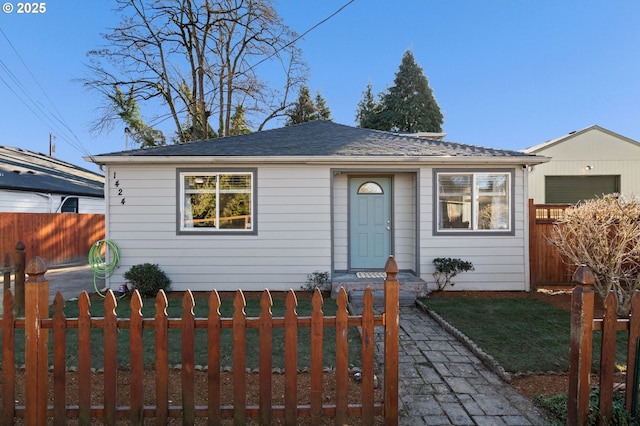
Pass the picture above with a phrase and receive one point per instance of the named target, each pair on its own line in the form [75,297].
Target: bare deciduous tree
[197,59]
[604,234]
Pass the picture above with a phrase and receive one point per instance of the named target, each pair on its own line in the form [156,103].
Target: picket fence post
[36,343]
[582,299]
[391,344]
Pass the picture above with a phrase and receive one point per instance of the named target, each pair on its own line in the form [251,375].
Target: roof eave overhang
[479,160]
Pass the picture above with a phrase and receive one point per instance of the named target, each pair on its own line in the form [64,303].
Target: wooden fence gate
[546,266]
[37,408]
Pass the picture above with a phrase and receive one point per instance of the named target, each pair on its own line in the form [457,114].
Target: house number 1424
[119,190]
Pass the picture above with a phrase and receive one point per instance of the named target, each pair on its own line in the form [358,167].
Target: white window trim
[510,230]
[180,201]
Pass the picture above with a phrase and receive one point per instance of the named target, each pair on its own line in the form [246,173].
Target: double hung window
[474,201]
[216,201]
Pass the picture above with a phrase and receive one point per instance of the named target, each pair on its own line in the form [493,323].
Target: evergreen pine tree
[322,110]
[409,105]
[368,109]
[302,110]
[305,109]
[239,123]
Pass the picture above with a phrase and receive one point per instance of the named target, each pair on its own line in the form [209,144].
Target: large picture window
[216,201]
[474,201]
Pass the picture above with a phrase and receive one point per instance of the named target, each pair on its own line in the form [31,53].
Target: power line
[302,35]
[52,117]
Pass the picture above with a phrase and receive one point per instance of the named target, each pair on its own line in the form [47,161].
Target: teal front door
[369,222]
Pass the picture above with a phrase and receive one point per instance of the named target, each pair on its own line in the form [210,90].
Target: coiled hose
[98,254]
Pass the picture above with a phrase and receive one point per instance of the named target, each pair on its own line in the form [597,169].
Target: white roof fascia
[100,160]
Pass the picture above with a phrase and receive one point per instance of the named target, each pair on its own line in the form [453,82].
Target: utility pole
[52,147]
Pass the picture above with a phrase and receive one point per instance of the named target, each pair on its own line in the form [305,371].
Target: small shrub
[447,268]
[315,280]
[148,279]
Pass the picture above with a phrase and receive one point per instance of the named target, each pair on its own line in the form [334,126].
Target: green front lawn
[201,310]
[522,334]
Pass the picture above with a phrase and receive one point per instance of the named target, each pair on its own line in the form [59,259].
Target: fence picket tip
[188,301]
[84,302]
[214,302]
[136,302]
[58,296]
[266,301]
[239,301]
[161,302]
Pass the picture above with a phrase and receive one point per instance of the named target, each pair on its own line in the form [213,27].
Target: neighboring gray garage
[585,164]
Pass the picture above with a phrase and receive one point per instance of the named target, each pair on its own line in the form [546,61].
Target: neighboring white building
[585,164]
[35,183]
[266,209]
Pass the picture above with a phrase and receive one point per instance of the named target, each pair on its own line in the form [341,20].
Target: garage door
[572,189]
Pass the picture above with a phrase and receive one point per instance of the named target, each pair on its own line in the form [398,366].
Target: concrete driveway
[69,280]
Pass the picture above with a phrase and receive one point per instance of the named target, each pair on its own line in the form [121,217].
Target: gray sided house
[31,182]
[266,209]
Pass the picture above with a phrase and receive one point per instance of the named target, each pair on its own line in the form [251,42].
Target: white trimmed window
[474,201]
[216,201]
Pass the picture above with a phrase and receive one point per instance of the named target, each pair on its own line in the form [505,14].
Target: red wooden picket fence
[583,324]
[37,323]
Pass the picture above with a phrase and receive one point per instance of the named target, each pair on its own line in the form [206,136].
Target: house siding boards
[292,244]
[500,262]
[302,209]
[608,154]
[293,221]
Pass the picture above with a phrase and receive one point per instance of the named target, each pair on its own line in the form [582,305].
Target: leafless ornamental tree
[604,234]
[195,59]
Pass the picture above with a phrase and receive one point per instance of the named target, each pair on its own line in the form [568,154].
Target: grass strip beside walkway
[521,334]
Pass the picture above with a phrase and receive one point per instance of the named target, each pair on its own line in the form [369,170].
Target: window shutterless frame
[216,201]
[473,201]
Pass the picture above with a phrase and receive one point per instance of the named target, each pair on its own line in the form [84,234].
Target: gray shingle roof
[24,170]
[321,138]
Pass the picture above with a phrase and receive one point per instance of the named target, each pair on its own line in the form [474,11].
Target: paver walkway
[443,383]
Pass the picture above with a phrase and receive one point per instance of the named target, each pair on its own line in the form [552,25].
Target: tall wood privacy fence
[57,238]
[546,266]
[583,325]
[37,411]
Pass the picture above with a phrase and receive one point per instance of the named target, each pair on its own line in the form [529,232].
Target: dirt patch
[201,389]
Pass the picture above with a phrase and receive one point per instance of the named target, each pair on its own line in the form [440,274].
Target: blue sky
[506,73]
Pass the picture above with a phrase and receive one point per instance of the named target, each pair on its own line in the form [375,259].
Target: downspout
[50,197]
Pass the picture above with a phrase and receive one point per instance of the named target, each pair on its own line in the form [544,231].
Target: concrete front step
[407,298]
[408,283]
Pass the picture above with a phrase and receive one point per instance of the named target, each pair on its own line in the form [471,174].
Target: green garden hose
[101,268]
